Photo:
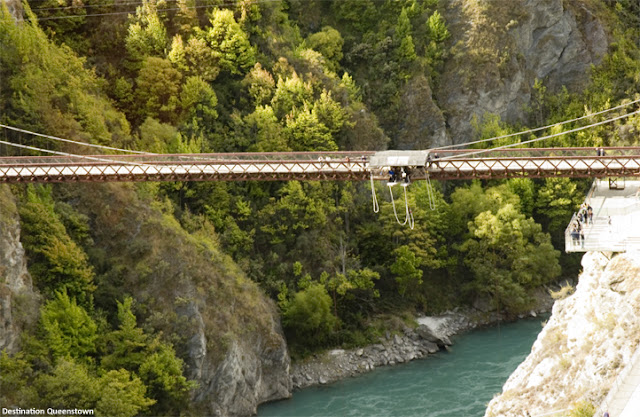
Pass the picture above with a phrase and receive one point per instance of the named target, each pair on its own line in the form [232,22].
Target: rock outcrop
[18,302]
[501,47]
[586,343]
[254,370]
[15,9]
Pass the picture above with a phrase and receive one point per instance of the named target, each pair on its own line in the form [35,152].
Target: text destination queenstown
[47,412]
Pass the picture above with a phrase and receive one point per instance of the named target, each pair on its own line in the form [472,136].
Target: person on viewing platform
[574,235]
[590,214]
[405,175]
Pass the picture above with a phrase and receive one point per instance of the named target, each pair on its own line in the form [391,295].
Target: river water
[458,383]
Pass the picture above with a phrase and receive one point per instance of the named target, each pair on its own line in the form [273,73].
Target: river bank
[431,335]
[455,382]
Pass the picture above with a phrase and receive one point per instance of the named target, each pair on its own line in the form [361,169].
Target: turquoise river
[458,383]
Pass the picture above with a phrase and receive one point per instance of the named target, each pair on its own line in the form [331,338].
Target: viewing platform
[616,218]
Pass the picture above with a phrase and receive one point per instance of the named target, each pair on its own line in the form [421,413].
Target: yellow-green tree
[56,262]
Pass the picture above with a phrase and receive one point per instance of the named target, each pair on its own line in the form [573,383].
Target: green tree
[68,329]
[15,378]
[290,93]
[308,316]
[260,84]
[468,202]
[56,262]
[406,269]
[124,347]
[438,33]
[158,90]
[508,255]
[329,43]
[70,385]
[330,113]
[556,202]
[47,88]
[147,35]
[155,136]
[229,43]
[154,361]
[122,394]
[195,58]
[406,51]
[57,19]
[437,27]
[266,130]
[353,292]
[161,372]
[525,189]
[198,102]
[304,132]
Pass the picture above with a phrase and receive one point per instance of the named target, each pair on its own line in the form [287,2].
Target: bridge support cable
[525,132]
[71,155]
[376,206]
[75,142]
[472,153]
[432,200]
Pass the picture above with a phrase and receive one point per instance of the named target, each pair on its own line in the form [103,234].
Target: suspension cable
[72,141]
[92,158]
[480,151]
[524,132]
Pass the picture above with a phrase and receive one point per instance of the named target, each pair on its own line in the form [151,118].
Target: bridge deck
[445,165]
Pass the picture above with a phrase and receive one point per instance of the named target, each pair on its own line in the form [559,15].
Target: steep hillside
[222,325]
[589,339]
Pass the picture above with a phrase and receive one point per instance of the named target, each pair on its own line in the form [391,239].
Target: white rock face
[586,343]
[15,281]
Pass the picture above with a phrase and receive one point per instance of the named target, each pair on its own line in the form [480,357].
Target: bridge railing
[362,156]
[537,152]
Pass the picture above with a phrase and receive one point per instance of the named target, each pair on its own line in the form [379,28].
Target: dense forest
[191,76]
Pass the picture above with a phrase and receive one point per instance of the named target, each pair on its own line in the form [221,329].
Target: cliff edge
[587,342]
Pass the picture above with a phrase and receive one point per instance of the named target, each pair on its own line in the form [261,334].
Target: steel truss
[327,166]
[321,166]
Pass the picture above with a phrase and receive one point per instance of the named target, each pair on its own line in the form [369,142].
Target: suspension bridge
[325,166]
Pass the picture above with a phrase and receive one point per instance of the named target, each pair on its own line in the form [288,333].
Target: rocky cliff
[501,47]
[18,302]
[226,330]
[589,339]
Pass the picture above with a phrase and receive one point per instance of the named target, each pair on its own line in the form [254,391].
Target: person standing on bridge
[392,175]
